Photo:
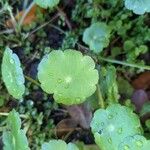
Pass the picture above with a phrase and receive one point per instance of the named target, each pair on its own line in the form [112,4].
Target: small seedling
[138,6]
[97,36]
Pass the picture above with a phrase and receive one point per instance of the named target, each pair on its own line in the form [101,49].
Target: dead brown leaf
[81,114]
[65,126]
[142,81]
[30,17]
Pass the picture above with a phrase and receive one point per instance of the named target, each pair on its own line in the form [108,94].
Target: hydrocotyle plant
[12,74]
[111,126]
[68,75]
[138,6]
[97,36]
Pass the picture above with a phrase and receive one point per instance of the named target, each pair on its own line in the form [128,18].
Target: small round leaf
[68,75]
[47,3]
[97,36]
[138,6]
[12,74]
[112,125]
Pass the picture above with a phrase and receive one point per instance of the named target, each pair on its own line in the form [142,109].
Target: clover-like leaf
[14,138]
[136,142]
[58,145]
[97,36]
[68,75]
[112,125]
[138,6]
[12,74]
[47,3]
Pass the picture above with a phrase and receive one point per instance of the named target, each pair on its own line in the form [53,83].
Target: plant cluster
[72,77]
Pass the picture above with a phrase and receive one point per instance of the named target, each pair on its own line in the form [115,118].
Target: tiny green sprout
[47,3]
[12,74]
[138,6]
[112,125]
[69,75]
[14,138]
[136,142]
[58,145]
[97,36]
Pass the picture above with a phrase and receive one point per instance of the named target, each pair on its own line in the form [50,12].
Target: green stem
[100,98]
[124,63]
[6,114]
[32,80]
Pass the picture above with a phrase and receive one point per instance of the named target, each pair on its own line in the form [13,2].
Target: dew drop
[119,130]
[59,81]
[126,147]
[139,143]
[110,116]
[109,140]
[11,61]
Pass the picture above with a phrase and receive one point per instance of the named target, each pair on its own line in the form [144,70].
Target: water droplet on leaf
[11,61]
[110,116]
[139,143]
[110,140]
[119,130]
[59,81]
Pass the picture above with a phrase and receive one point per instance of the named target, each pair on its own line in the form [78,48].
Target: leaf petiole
[124,63]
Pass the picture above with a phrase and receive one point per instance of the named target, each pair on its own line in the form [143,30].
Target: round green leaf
[58,145]
[112,125]
[97,36]
[138,6]
[72,146]
[136,142]
[47,3]
[12,74]
[55,144]
[68,75]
